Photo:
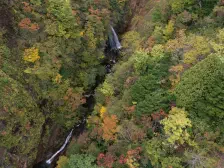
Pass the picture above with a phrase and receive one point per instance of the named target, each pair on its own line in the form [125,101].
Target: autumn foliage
[105,160]
[133,156]
[27,7]
[109,127]
[31,55]
[159,115]
[28,25]
[74,99]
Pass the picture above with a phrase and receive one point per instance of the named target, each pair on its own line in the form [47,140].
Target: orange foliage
[130,109]
[27,7]
[98,13]
[109,127]
[105,160]
[134,153]
[34,27]
[159,115]
[95,13]
[122,159]
[133,156]
[3,133]
[74,12]
[28,25]
[25,23]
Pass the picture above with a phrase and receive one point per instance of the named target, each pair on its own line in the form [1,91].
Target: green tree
[158,34]
[20,119]
[140,59]
[161,154]
[153,102]
[201,88]
[63,23]
[174,162]
[177,5]
[131,41]
[81,161]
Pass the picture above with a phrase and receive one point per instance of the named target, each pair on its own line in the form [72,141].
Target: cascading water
[114,41]
[49,161]
[115,46]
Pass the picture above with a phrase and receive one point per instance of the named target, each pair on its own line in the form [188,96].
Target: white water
[49,161]
[115,44]
[116,40]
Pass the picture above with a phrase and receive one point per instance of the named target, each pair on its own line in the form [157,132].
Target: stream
[111,52]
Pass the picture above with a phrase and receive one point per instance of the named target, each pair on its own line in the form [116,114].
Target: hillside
[156,102]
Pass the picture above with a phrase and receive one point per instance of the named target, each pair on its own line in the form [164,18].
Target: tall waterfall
[114,41]
[49,161]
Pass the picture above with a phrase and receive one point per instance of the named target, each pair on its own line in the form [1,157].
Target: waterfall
[114,41]
[49,161]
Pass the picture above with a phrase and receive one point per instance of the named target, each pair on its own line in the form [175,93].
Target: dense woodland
[162,106]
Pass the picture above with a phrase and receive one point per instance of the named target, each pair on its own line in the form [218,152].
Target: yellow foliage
[102,111]
[219,45]
[175,126]
[81,33]
[31,54]
[132,163]
[62,161]
[175,44]
[58,78]
[169,30]
[157,51]
[175,77]
[177,68]
[199,47]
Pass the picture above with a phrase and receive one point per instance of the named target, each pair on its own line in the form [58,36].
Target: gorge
[113,47]
[111,83]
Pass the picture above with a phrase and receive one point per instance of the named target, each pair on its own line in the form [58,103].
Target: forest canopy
[159,104]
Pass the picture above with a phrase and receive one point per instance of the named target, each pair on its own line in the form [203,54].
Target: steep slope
[160,106]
